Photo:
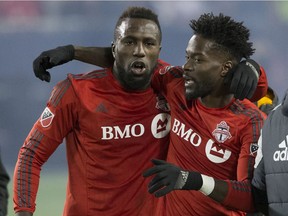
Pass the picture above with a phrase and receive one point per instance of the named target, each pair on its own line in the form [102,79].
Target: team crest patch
[163,71]
[162,103]
[253,148]
[221,133]
[46,117]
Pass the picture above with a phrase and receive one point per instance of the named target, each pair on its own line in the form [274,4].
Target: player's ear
[113,48]
[226,67]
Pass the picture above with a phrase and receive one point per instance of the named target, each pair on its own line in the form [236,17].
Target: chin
[189,94]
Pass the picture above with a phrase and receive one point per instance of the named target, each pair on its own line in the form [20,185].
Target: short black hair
[232,36]
[141,13]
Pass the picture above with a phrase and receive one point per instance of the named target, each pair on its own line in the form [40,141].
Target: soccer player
[113,123]
[213,138]
[4,180]
[270,178]
[49,59]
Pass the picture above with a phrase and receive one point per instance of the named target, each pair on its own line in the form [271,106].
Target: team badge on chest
[221,133]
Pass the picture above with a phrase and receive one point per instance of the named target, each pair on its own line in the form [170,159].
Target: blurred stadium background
[29,27]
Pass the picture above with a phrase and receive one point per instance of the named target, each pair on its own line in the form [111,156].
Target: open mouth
[138,68]
[188,81]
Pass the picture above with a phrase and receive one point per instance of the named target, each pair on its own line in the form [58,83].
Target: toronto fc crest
[221,133]
[162,103]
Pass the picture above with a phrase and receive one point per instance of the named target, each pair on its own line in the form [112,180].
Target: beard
[131,81]
[198,90]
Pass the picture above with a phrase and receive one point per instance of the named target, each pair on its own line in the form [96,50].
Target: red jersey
[111,136]
[218,142]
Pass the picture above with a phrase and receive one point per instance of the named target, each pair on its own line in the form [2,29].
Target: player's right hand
[51,58]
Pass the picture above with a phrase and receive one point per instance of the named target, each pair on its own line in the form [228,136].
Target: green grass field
[51,194]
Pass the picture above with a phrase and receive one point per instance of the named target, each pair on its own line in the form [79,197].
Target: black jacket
[270,181]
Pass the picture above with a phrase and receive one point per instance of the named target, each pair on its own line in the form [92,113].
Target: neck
[212,101]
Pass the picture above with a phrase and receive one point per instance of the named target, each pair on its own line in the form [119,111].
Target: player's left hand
[165,179]
[51,58]
[169,177]
[245,79]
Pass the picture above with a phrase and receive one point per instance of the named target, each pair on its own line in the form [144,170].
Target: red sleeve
[46,135]
[161,64]
[262,86]
[241,188]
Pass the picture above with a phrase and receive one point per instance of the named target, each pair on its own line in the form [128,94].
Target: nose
[139,50]
[187,67]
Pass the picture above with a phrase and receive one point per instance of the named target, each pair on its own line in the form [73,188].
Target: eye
[150,43]
[128,42]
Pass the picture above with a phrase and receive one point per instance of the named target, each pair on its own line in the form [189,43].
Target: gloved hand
[245,79]
[170,177]
[51,58]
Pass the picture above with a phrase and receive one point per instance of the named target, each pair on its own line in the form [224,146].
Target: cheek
[207,74]
[121,57]
[153,57]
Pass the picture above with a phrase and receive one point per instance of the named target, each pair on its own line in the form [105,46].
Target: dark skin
[136,50]
[204,73]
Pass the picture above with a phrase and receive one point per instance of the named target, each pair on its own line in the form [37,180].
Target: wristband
[208,185]
[194,181]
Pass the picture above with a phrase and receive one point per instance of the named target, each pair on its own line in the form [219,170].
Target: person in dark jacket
[4,179]
[270,179]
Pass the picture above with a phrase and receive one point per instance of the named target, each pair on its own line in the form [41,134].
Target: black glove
[170,177]
[245,79]
[51,58]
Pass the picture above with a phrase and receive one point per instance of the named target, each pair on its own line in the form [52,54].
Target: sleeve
[4,180]
[47,134]
[259,182]
[262,86]
[240,189]
[259,188]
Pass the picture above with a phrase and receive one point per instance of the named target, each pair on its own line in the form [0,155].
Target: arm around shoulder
[99,56]
[24,214]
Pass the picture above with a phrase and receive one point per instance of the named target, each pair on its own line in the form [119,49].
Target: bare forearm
[99,56]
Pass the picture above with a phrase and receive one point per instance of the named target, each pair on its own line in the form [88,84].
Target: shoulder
[90,76]
[169,70]
[247,110]
[68,90]
[80,81]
